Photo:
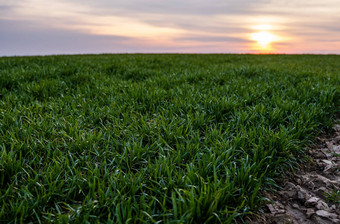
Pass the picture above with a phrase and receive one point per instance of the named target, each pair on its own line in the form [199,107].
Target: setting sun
[264,37]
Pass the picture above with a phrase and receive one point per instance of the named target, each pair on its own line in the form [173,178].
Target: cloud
[4,7]
[159,25]
[224,39]
[27,38]
[174,7]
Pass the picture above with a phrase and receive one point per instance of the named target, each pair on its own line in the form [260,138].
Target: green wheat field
[156,138]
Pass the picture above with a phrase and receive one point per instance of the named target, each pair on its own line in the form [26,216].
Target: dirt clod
[310,212]
[325,214]
[322,205]
[303,198]
[312,201]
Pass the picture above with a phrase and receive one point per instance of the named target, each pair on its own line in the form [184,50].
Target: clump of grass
[334,196]
[155,138]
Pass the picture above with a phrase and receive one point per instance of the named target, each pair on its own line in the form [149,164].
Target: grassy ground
[155,138]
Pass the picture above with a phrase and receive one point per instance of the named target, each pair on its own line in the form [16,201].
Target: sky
[44,27]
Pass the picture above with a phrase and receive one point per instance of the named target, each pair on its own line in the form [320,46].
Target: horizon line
[164,53]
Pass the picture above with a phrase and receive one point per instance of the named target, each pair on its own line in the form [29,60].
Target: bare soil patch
[311,195]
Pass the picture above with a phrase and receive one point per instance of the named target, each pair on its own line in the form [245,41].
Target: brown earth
[304,197]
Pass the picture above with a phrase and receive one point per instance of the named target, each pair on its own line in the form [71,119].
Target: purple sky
[35,27]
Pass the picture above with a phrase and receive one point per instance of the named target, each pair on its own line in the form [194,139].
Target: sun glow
[264,37]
